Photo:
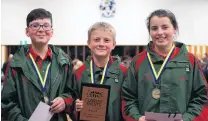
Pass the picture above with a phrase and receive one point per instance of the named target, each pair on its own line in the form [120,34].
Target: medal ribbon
[162,68]
[43,82]
[92,72]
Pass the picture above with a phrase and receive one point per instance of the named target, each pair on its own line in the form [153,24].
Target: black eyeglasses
[36,26]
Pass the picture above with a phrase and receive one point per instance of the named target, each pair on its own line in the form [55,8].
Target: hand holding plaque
[79,105]
[95,99]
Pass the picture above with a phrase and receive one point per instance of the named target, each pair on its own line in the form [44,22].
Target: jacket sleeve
[68,90]
[78,75]
[74,114]
[199,93]
[129,96]
[9,99]
[124,71]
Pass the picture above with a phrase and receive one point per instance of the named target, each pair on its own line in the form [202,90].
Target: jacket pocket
[178,73]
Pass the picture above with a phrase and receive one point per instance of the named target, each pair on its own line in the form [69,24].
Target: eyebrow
[161,25]
[165,25]
[39,23]
[153,26]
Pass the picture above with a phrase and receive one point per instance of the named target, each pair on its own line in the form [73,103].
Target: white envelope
[151,116]
[41,113]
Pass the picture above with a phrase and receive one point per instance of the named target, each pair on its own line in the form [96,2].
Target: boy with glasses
[37,72]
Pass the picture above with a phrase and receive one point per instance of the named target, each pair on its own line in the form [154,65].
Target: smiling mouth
[162,38]
[100,49]
[41,37]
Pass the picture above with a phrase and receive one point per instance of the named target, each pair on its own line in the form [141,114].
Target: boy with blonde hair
[105,69]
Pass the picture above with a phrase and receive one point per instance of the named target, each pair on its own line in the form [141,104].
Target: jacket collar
[20,61]
[179,52]
[36,56]
[113,69]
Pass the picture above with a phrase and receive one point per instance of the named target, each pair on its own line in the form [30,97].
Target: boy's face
[40,31]
[101,43]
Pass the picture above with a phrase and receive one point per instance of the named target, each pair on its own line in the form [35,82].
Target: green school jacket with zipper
[182,85]
[22,92]
[114,78]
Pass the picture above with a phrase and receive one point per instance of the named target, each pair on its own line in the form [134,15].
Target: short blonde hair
[102,25]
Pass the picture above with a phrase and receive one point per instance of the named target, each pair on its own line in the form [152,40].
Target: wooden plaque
[95,100]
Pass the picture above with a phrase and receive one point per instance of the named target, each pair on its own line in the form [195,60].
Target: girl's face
[162,31]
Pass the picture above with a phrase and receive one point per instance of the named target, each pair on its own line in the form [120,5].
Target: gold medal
[46,99]
[156,93]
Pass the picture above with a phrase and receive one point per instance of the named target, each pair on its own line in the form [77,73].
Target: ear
[175,32]
[51,32]
[175,35]
[114,44]
[27,32]
[88,43]
[150,38]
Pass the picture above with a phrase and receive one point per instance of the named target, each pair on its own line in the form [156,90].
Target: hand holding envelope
[142,118]
[57,105]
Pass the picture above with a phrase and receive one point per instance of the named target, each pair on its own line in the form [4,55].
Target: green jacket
[183,88]
[22,93]
[114,77]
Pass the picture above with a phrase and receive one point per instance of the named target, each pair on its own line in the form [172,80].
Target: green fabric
[114,73]
[42,70]
[182,86]
[98,75]
[22,93]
